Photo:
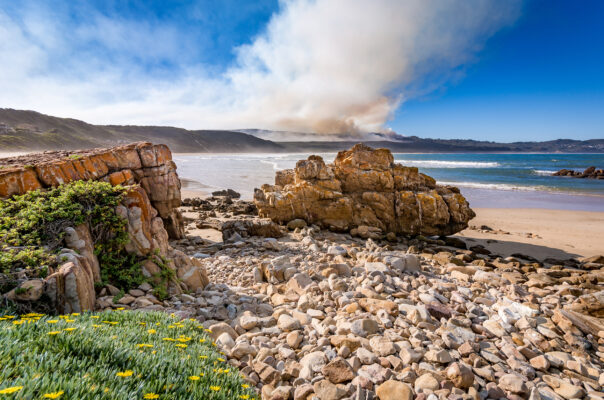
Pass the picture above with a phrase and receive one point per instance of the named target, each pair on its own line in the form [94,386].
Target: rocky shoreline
[306,313]
[589,173]
[315,314]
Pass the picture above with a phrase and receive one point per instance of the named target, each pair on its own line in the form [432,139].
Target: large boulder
[149,165]
[364,190]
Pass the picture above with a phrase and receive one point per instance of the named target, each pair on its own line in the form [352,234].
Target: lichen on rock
[366,193]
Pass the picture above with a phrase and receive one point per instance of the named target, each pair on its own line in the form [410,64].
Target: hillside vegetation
[30,131]
[25,131]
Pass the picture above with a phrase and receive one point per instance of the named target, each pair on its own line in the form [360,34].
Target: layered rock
[148,165]
[150,208]
[365,192]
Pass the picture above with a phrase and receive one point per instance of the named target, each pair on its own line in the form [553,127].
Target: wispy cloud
[319,66]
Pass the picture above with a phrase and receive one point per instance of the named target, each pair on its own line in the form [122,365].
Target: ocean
[487,180]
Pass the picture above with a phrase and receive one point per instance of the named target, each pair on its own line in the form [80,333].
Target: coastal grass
[113,355]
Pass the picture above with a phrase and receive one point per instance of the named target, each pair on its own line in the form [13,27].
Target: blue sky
[541,78]
[481,69]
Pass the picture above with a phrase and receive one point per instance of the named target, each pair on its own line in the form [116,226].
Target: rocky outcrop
[150,208]
[365,192]
[148,165]
[590,173]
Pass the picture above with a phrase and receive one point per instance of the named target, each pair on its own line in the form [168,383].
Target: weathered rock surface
[324,315]
[149,165]
[366,193]
[149,208]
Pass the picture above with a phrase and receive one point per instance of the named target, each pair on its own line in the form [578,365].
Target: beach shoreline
[537,232]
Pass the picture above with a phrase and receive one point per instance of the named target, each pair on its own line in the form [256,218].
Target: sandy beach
[540,233]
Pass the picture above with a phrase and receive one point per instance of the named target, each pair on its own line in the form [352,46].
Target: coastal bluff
[365,192]
[149,206]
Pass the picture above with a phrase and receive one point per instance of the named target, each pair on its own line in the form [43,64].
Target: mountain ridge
[25,130]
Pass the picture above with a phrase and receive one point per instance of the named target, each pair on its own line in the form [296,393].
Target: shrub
[113,355]
[32,226]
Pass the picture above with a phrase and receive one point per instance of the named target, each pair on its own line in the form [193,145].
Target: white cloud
[320,66]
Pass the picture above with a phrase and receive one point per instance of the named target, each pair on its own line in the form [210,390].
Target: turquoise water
[509,171]
[487,180]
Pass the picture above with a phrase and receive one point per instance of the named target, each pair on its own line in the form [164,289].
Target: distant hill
[33,131]
[22,131]
[414,144]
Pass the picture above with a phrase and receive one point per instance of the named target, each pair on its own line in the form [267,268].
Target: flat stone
[381,346]
[513,383]
[461,375]
[326,390]
[426,382]
[338,370]
[364,327]
[394,390]
[288,323]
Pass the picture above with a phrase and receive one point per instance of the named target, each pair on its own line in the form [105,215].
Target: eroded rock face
[149,165]
[150,209]
[364,191]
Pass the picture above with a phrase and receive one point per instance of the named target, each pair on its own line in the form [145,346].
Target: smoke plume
[324,66]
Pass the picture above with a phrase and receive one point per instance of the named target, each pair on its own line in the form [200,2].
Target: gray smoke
[324,66]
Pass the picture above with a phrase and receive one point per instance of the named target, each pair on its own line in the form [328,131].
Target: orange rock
[365,189]
[18,181]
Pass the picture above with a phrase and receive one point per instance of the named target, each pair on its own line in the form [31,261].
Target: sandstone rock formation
[365,192]
[150,209]
[149,165]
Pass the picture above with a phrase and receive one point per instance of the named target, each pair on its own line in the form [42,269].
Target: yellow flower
[151,331]
[10,390]
[18,322]
[75,314]
[69,329]
[125,374]
[194,378]
[151,396]
[245,386]
[182,346]
[54,395]
[203,357]
[215,388]
[120,308]
[94,316]
[96,326]
[144,345]
[244,396]
[220,359]
[54,333]
[52,321]
[70,320]
[167,339]
[201,340]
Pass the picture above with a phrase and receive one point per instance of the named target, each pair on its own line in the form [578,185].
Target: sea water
[487,180]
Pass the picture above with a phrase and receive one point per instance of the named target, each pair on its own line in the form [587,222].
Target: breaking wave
[448,164]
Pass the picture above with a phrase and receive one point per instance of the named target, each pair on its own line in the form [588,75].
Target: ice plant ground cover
[113,355]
